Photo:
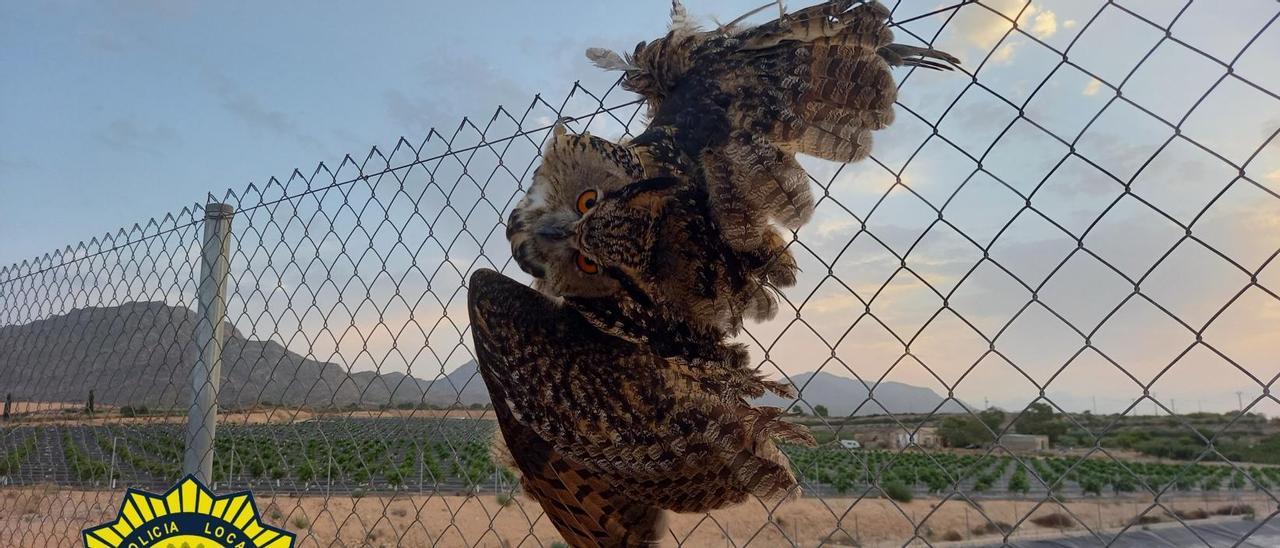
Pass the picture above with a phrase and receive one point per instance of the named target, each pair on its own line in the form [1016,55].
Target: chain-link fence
[1045,308]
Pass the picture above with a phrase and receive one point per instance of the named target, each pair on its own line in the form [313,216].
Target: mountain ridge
[140,353]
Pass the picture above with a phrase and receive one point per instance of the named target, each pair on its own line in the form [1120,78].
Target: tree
[8,402]
[1040,419]
[992,417]
[970,430]
[89,406]
[820,410]
[962,431]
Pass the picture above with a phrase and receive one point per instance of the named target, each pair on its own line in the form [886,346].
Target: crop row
[12,460]
[842,470]
[455,455]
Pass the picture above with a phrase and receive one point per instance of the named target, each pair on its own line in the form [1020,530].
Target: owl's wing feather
[741,103]
[585,509]
[656,430]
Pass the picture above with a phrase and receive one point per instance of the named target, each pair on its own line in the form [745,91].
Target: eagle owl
[672,238]
[607,434]
[615,386]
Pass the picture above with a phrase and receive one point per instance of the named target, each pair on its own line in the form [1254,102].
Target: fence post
[206,373]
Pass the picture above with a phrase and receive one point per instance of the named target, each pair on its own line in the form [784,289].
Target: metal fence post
[211,314]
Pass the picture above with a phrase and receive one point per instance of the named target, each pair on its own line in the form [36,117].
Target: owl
[647,261]
[672,239]
[607,434]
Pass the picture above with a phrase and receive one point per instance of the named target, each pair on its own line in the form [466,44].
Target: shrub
[300,521]
[504,500]
[1018,482]
[1234,510]
[1123,485]
[992,528]
[1198,513]
[842,484]
[952,536]
[1056,520]
[898,491]
[1148,519]
[1092,486]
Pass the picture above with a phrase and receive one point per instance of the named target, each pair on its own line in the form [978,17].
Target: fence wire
[1087,212]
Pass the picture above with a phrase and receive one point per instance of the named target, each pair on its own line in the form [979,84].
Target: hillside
[842,396]
[141,354]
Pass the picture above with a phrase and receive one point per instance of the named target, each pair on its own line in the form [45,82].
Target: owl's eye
[586,201]
[587,265]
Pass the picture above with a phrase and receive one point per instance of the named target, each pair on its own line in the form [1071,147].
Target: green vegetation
[377,454]
[971,431]
[84,466]
[361,456]
[12,460]
[898,491]
[1039,418]
[848,471]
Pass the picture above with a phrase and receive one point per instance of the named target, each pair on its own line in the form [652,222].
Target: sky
[126,111]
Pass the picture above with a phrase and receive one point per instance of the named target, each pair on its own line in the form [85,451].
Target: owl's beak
[553,232]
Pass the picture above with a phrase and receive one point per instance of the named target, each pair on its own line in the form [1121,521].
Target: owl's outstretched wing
[584,508]
[741,102]
[660,433]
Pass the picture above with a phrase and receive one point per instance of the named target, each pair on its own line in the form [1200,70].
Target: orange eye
[587,265]
[586,201]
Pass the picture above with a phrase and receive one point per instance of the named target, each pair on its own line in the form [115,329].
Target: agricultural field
[452,456]
[445,455]
[831,469]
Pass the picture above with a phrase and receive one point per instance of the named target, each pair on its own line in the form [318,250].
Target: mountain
[141,353]
[842,395]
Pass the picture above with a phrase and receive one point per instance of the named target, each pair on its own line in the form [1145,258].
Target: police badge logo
[187,515]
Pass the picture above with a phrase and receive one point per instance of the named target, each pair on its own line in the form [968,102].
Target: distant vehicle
[850,444]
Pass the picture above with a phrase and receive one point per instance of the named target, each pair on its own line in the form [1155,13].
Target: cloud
[1044,24]
[832,304]
[985,31]
[250,110]
[1093,87]
[839,226]
[1005,53]
[125,135]
[451,85]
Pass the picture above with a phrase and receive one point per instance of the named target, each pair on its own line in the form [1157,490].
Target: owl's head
[579,172]
[593,225]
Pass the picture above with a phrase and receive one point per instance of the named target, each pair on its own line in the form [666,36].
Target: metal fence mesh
[1106,228]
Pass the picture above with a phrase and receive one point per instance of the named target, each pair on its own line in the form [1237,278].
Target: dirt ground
[47,516]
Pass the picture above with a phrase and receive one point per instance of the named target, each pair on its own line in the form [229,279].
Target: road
[1215,533]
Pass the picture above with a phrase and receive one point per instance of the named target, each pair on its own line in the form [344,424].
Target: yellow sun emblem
[189,515]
